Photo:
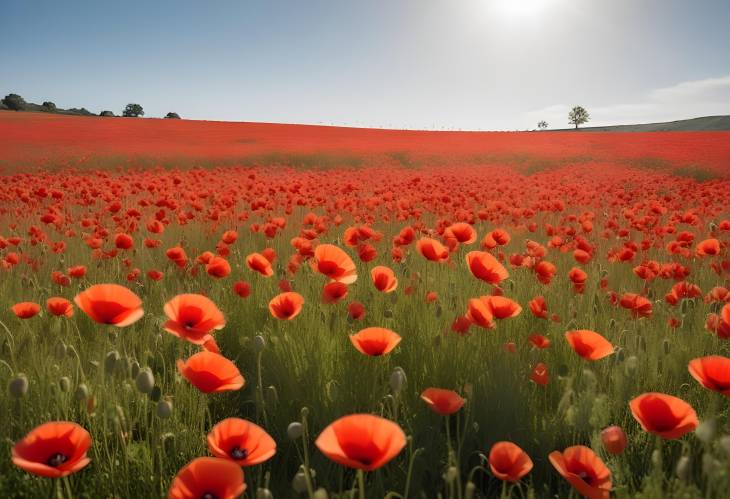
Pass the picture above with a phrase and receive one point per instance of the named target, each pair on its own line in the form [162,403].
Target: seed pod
[82,392]
[320,493]
[262,493]
[110,362]
[259,343]
[299,483]
[295,430]
[18,386]
[164,409]
[156,394]
[145,380]
[168,443]
[64,384]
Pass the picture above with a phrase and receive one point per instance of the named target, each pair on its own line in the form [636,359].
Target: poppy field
[241,310]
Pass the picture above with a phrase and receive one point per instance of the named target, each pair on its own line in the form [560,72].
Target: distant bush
[173,116]
[49,106]
[14,102]
[107,114]
[133,111]
[82,112]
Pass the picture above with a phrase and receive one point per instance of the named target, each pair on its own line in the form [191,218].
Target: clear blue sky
[470,64]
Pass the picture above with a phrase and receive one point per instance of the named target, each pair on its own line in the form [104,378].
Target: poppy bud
[684,306]
[262,493]
[272,396]
[388,313]
[320,493]
[614,440]
[299,483]
[620,354]
[469,490]
[666,346]
[64,384]
[295,430]
[168,443]
[82,392]
[18,386]
[156,394]
[656,458]
[683,468]
[60,350]
[145,380]
[397,380]
[135,369]
[713,227]
[603,273]
[612,324]
[632,364]
[110,361]
[164,409]
[259,343]
[590,378]
[451,474]
[706,430]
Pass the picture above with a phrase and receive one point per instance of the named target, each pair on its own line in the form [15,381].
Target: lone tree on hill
[133,111]
[14,102]
[172,116]
[49,106]
[542,125]
[578,115]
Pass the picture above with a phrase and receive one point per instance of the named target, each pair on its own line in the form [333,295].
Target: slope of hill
[702,124]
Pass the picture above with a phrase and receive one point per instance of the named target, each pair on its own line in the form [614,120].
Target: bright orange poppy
[384,279]
[59,307]
[110,304]
[334,263]
[502,307]
[725,313]
[462,232]
[361,441]
[218,267]
[26,309]
[442,401]
[432,250]
[193,317]
[712,372]
[53,450]
[286,306]
[664,415]
[509,462]
[584,470]
[480,313]
[485,267]
[375,341]
[708,247]
[538,307]
[589,344]
[637,304]
[208,477]
[259,263]
[241,441]
[211,373]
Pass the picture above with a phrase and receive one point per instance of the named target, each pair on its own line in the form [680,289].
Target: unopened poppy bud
[110,362]
[320,493]
[475,426]
[397,380]
[706,431]
[603,273]
[299,483]
[164,409]
[388,313]
[60,350]
[18,386]
[295,430]
[145,380]
[620,355]
[590,377]
[135,369]
[612,324]
[614,440]
[259,343]
[156,394]
[469,490]
[64,384]
[684,306]
[683,468]
[272,396]
[262,493]
[168,443]
[82,392]
[656,458]
[632,363]
[451,474]
[304,412]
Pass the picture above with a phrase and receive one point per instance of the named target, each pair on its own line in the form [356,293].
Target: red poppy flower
[334,291]
[480,313]
[241,441]
[211,373]
[208,477]
[286,306]
[509,462]
[123,241]
[375,341]
[177,255]
[712,372]
[589,344]
[462,232]
[545,271]
[384,279]
[708,247]
[725,313]
[584,470]
[77,271]
[192,317]
[242,289]
[485,267]
[110,304]
[356,310]
[637,304]
[442,401]
[664,415]
[614,440]
[334,263]
[539,374]
[26,309]
[259,263]
[60,306]
[502,307]
[53,450]
[218,267]
[432,250]
[539,341]
[538,307]
[361,441]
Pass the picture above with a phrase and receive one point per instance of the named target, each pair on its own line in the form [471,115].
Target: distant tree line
[15,102]
[577,116]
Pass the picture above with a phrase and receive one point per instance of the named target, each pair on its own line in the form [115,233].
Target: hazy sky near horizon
[452,64]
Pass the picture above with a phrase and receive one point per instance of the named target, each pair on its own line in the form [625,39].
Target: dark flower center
[209,495]
[585,477]
[238,453]
[57,460]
